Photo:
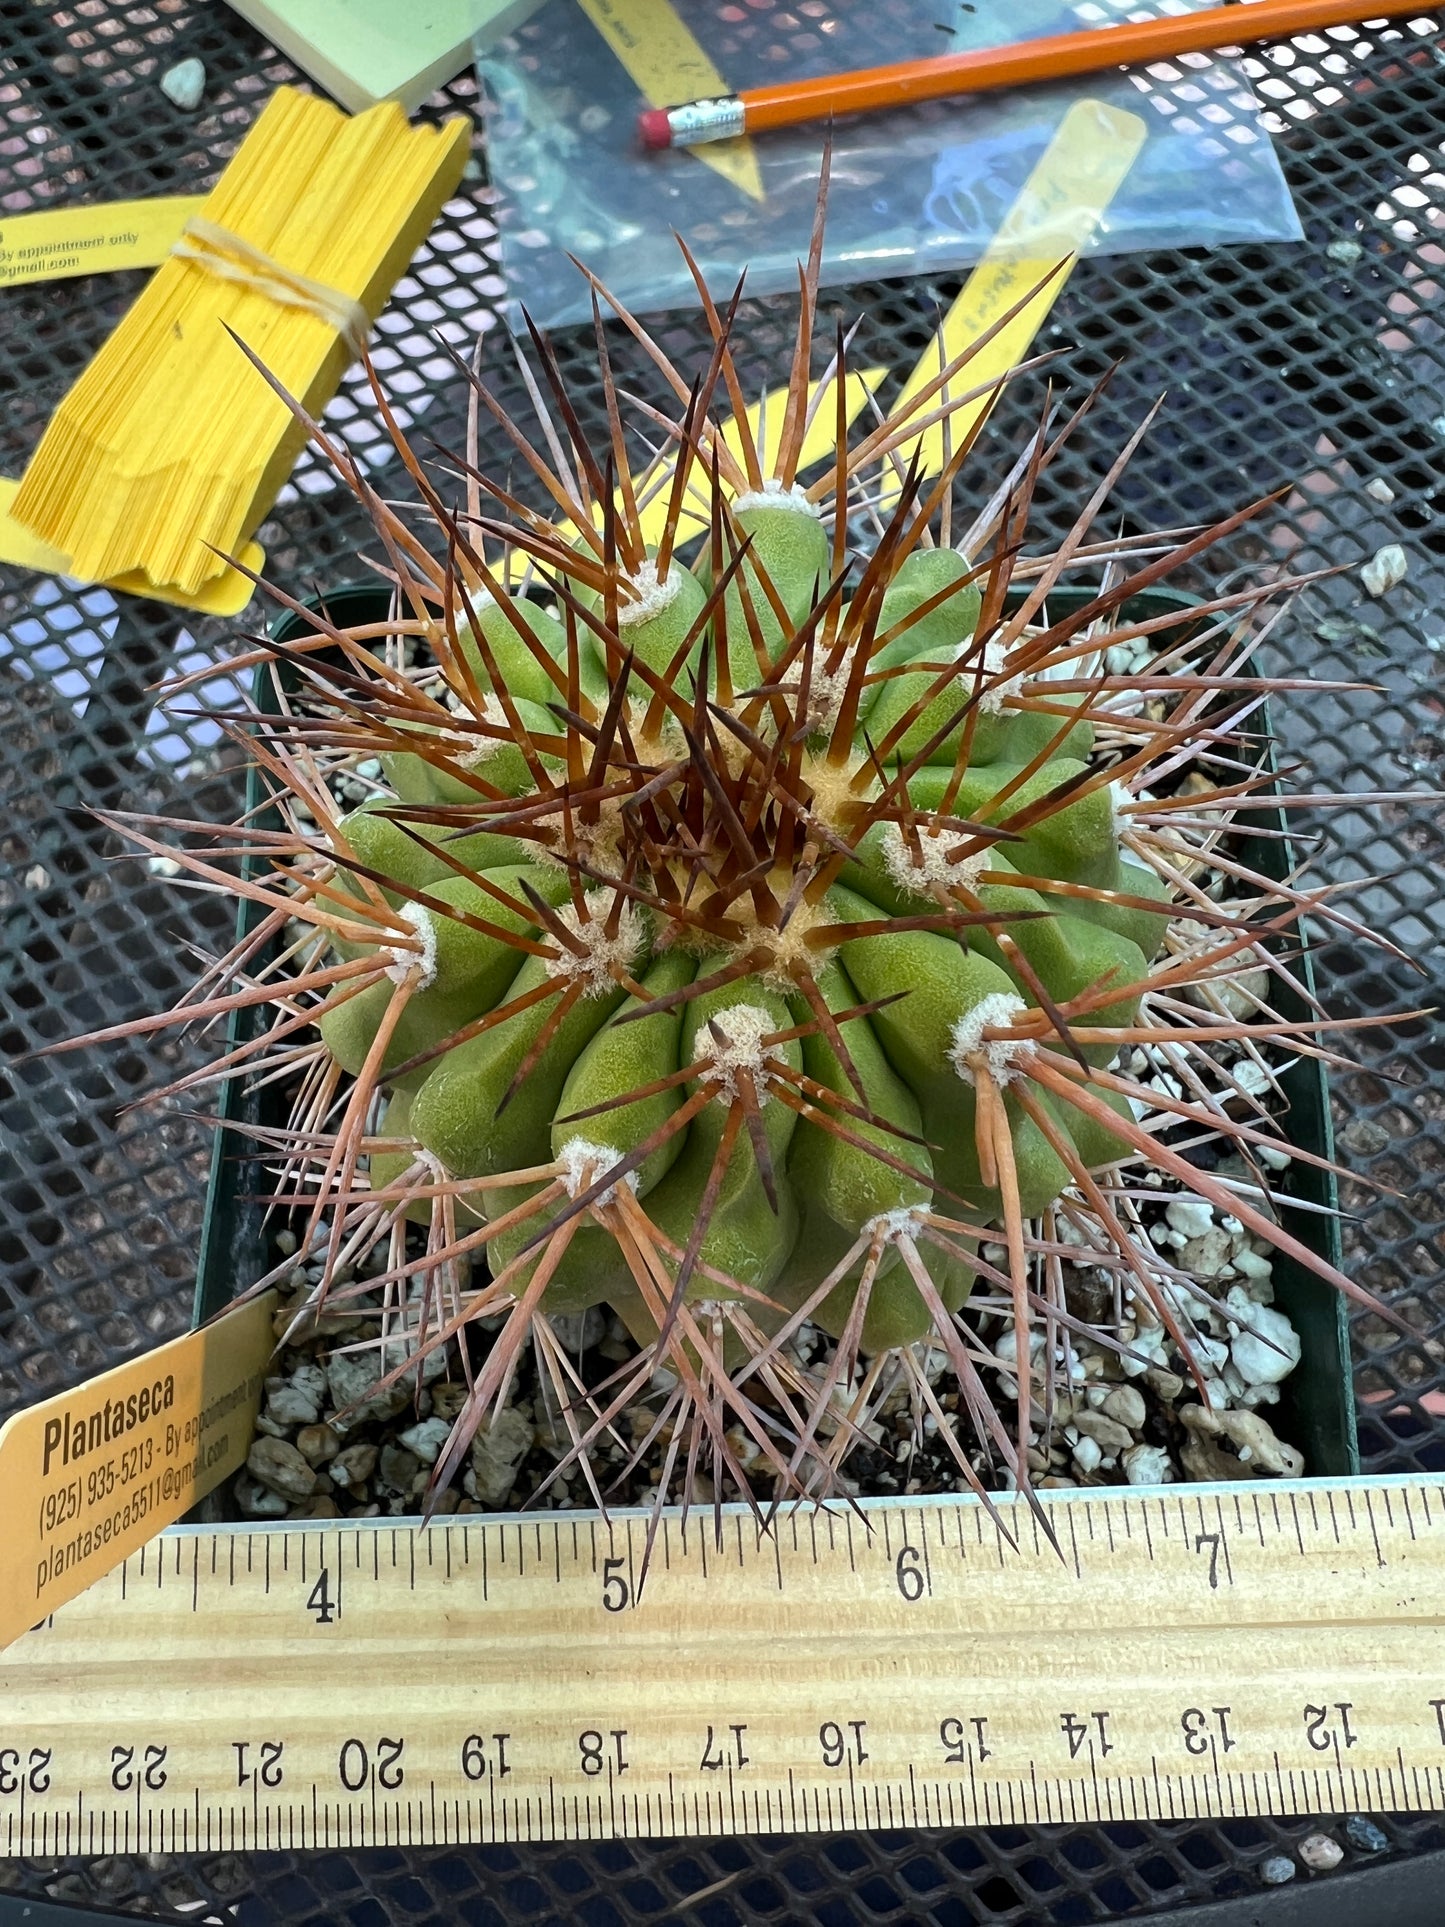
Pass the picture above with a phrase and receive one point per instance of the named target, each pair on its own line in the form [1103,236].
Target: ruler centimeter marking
[1196,1652]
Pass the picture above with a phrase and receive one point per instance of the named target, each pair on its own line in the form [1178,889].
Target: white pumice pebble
[1320,1853]
[1251,1263]
[426,1439]
[1268,1352]
[1253,1079]
[1192,1216]
[185,84]
[1148,1465]
[1385,570]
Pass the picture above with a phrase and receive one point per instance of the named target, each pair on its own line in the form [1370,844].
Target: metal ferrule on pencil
[722,119]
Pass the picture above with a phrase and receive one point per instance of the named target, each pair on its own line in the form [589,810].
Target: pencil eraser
[654,127]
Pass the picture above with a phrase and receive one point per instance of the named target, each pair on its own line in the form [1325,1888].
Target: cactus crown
[758,907]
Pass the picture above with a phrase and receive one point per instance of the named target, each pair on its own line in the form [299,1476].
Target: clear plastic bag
[922,188]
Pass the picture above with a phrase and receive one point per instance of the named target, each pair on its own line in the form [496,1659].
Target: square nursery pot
[1317,1409]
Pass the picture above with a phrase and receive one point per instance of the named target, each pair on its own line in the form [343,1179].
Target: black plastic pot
[1317,1410]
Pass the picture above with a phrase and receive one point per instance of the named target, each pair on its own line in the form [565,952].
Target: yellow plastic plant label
[90,1475]
[660,53]
[765,424]
[62,241]
[1056,212]
[225,595]
[1055,215]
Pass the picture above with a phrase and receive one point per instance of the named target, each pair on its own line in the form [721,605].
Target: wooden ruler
[1199,1651]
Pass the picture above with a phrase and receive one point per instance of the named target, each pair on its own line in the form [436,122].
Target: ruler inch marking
[927,1553]
[1224,1539]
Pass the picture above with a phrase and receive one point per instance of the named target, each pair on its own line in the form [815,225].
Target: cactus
[758,914]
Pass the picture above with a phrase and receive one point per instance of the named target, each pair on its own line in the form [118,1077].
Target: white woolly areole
[583,1162]
[744,1026]
[474,750]
[892,1227]
[928,869]
[653,594]
[773,495]
[995,660]
[826,690]
[416,967]
[594,969]
[1119,798]
[1001,1056]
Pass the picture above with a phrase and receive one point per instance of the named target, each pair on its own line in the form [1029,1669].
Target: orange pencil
[787,103]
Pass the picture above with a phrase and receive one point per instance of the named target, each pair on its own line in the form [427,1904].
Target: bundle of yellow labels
[171,446]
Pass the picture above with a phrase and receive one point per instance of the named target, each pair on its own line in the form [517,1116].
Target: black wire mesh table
[1319,368]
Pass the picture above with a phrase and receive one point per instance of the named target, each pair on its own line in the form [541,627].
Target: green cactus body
[616,1060]
[623,1058]
[488,758]
[1069,954]
[832,1192]
[844,1180]
[470,969]
[391,1167]
[1033,732]
[1146,929]
[654,623]
[846,1189]
[1093,1141]
[745,1237]
[901,1053]
[940,633]
[456,1113]
[408,853]
[945,983]
[896,1312]
[942,712]
[790,544]
[522,674]
[1076,841]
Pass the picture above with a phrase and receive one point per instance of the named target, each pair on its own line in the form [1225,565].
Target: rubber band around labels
[221,252]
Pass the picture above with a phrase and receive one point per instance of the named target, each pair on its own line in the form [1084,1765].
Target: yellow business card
[90,1475]
[62,241]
